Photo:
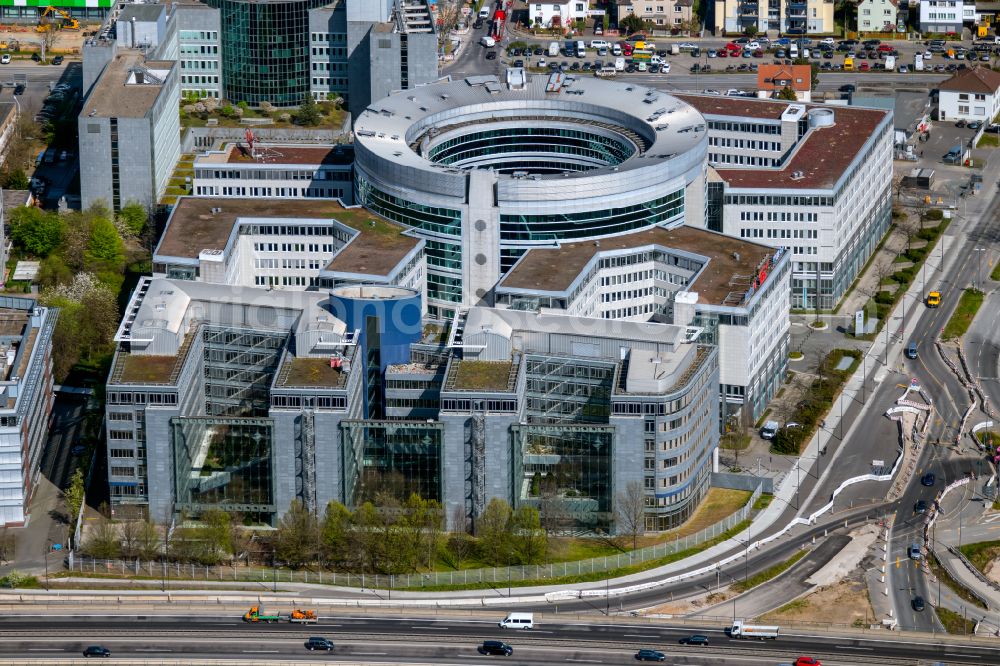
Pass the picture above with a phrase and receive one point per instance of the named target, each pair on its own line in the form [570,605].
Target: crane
[68,22]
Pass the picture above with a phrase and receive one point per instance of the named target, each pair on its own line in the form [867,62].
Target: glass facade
[565,226]
[432,219]
[486,148]
[223,463]
[239,366]
[569,464]
[568,389]
[265,50]
[394,458]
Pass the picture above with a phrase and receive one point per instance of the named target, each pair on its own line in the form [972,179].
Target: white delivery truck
[553,49]
[620,64]
[918,62]
[488,42]
[581,50]
[675,49]
[890,63]
[518,621]
[756,631]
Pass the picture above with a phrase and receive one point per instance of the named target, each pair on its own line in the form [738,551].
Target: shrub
[934,214]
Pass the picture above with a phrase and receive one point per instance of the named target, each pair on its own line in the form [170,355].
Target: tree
[129,532]
[787,93]
[494,529]
[297,538]
[367,536]
[105,243]
[336,533]
[308,113]
[460,547]
[631,24]
[133,217]
[16,180]
[529,539]
[7,545]
[36,231]
[103,541]
[148,542]
[217,532]
[750,30]
[74,495]
[553,511]
[630,511]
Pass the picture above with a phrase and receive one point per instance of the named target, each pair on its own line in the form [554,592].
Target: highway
[454,640]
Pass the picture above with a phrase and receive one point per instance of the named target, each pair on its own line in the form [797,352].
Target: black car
[650,655]
[36,58]
[697,639]
[58,60]
[19,89]
[927,480]
[97,651]
[478,24]
[539,51]
[491,55]
[847,88]
[918,604]
[920,506]
[496,647]
[518,63]
[319,643]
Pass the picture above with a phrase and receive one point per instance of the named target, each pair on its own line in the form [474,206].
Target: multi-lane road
[447,640]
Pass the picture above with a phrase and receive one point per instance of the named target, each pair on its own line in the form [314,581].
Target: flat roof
[114,95]
[555,269]
[206,223]
[481,375]
[821,158]
[141,369]
[272,154]
[310,372]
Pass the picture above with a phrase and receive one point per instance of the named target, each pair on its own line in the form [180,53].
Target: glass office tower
[265,50]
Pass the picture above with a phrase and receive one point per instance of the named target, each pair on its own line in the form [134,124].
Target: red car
[758,53]
[884,48]
[626,48]
[723,53]
[734,49]
[864,67]
[807,661]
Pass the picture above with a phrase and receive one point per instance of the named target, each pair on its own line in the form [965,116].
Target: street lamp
[48,547]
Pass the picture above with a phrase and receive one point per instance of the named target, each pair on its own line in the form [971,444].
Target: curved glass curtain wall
[486,148]
[265,50]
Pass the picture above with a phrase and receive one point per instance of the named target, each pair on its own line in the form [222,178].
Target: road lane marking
[371,654]
[149,650]
[46,650]
[260,651]
[586,661]
[640,635]
[851,647]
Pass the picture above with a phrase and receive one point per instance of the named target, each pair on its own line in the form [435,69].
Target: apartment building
[789,17]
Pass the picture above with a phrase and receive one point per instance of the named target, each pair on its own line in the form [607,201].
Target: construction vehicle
[45,23]
[10,45]
[934,299]
[303,616]
[257,614]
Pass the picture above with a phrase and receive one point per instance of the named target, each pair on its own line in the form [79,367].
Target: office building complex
[129,131]
[26,388]
[484,170]
[814,179]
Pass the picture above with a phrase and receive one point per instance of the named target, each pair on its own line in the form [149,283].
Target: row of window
[288,264]
[130,398]
[199,64]
[744,128]
[335,51]
[332,37]
[198,35]
[293,247]
[771,216]
[747,160]
[199,49]
[279,192]
[274,174]
[751,144]
[202,79]
[283,281]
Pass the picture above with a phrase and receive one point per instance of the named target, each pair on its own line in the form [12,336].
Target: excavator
[45,23]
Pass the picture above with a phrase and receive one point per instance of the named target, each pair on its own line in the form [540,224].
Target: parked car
[58,60]
[5,59]
[975,124]
[36,58]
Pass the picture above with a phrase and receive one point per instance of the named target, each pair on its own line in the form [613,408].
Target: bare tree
[130,530]
[553,512]
[460,547]
[630,511]
[7,545]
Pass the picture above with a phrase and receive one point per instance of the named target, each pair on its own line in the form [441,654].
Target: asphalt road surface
[444,640]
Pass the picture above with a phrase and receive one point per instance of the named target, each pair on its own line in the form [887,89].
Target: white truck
[488,42]
[581,49]
[620,64]
[754,631]
[890,63]
[918,62]
[553,49]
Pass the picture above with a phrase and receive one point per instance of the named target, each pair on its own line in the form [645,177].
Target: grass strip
[942,575]
[767,574]
[968,306]
[955,623]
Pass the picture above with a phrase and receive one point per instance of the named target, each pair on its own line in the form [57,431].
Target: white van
[616,49]
[484,13]
[488,42]
[599,44]
[553,49]
[793,51]
[620,64]
[581,50]
[518,621]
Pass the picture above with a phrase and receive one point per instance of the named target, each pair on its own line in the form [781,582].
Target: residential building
[879,16]
[789,17]
[557,14]
[972,94]
[814,179]
[278,171]
[663,14]
[943,16]
[26,387]
[129,130]
[772,79]
[484,170]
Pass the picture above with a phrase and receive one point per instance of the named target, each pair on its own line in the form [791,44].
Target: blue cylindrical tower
[388,320]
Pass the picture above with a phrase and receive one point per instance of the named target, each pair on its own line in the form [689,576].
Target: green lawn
[995,273]
[966,311]
[982,553]
[955,623]
[767,574]
[956,587]
[988,141]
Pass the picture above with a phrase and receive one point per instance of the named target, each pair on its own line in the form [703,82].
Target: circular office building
[484,169]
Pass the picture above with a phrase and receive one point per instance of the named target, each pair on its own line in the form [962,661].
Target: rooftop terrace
[486,376]
[238,153]
[310,372]
[730,261]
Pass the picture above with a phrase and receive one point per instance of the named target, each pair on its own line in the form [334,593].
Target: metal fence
[488,577]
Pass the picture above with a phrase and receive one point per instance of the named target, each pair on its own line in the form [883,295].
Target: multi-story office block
[485,170]
[129,131]
[26,388]
[733,291]
[814,179]
[276,171]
